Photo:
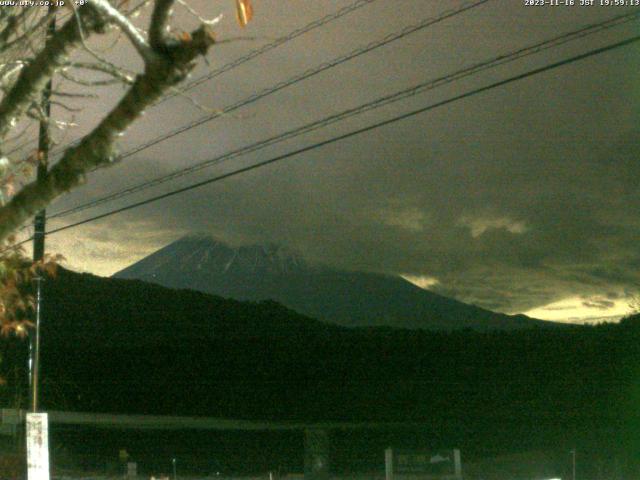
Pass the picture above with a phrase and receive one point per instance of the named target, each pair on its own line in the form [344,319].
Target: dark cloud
[599,304]
[512,199]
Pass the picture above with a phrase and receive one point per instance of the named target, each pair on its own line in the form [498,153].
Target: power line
[276,43]
[307,74]
[397,96]
[260,51]
[310,73]
[359,131]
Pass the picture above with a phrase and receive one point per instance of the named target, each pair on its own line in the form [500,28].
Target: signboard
[37,446]
[443,464]
[132,469]
[436,463]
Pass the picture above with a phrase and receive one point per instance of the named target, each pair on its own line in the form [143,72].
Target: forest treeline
[126,346]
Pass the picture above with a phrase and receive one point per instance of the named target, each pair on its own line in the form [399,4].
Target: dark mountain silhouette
[113,345]
[347,298]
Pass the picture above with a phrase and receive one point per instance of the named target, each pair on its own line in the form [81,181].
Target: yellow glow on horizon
[574,310]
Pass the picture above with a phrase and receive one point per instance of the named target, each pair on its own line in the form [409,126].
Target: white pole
[388,463]
[457,463]
[37,446]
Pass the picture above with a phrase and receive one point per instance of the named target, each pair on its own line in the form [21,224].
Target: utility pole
[573,457]
[37,424]
[39,222]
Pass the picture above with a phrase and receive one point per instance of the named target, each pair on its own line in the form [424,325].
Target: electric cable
[353,133]
[388,99]
[259,51]
[305,75]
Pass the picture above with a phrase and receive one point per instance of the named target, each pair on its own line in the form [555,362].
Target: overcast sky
[521,199]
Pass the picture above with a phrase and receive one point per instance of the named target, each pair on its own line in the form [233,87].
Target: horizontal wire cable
[359,131]
[388,99]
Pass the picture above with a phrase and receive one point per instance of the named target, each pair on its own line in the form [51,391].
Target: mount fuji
[271,272]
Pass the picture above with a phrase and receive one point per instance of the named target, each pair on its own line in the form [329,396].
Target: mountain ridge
[126,346]
[348,298]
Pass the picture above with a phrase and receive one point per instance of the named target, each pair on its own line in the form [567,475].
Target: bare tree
[27,64]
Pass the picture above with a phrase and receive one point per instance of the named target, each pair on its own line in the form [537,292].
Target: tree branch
[135,37]
[34,76]
[170,66]
[159,19]
[13,23]
[10,28]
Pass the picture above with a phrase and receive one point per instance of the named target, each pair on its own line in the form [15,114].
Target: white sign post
[37,446]
[132,469]
[388,464]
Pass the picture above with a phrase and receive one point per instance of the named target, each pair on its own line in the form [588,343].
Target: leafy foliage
[17,277]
